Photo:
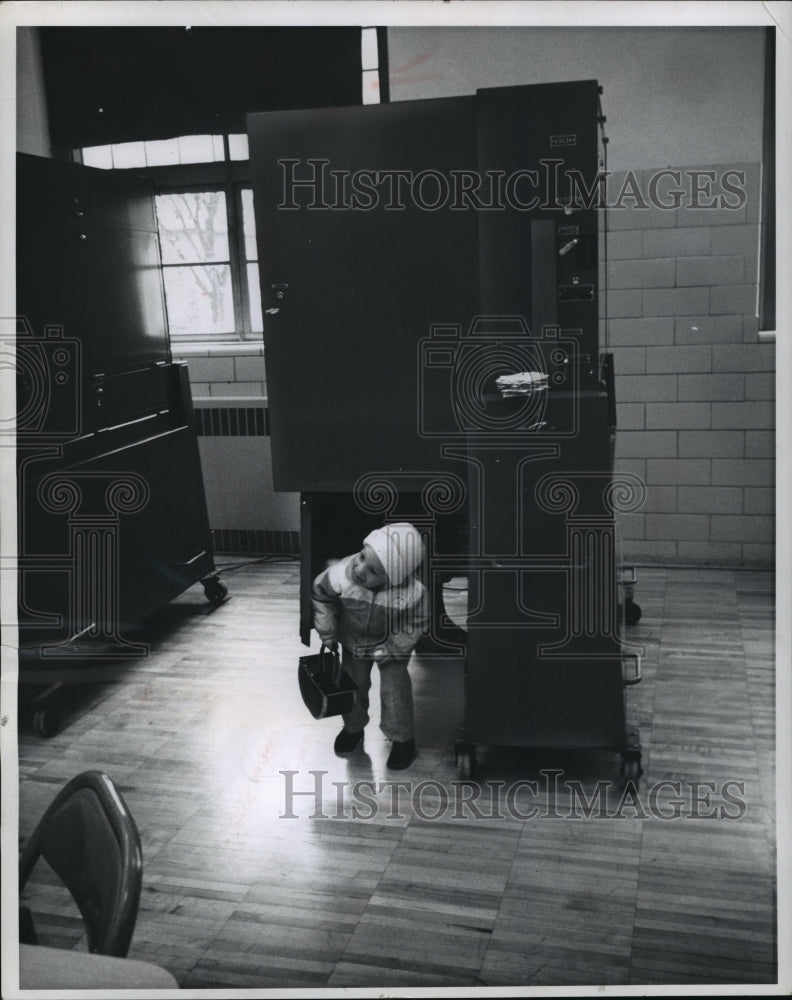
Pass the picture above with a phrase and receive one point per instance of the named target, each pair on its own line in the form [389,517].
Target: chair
[91,842]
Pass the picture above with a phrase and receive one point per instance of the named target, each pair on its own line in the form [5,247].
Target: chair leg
[27,932]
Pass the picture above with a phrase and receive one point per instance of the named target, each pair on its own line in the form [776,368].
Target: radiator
[246,516]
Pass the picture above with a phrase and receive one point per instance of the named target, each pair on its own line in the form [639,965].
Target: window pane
[98,156]
[199,299]
[129,154]
[249,224]
[196,149]
[218,148]
[238,147]
[193,226]
[254,292]
[371,94]
[368,48]
[162,152]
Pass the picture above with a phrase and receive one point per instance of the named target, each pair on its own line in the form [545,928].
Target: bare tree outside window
[194,242]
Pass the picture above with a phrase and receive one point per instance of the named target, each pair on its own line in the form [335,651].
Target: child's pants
[396,700]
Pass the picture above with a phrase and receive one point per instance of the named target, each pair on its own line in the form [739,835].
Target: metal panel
[357,288]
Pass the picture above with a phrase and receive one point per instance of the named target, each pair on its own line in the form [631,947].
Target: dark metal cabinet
[111,509]
[88,261]
[412,254]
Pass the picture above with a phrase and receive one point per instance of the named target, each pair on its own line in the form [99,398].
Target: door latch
[279,291]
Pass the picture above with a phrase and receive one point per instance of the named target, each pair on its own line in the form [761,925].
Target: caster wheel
[631,770]
[632,612]
[215,590]
[46,721]
[466,764]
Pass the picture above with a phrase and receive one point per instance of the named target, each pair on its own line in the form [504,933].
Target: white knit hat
[399,548]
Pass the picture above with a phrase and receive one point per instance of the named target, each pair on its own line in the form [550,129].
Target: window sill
[252,348]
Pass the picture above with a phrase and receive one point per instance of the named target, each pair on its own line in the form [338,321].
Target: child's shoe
[346,742]
[402,754]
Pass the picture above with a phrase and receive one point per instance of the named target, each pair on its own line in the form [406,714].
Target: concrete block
[641,273]
[734,299]
[677,301]
[711,387]
[760,385]
[641,332]
[641,550]
[676,242]
[645,388]
[646,444]
[629,360]
[632,526]
[710,270]
[253,390]
[216,369]
[759,500]
[661,500]
[677,416]
[709,552]
[743,472]
[625,214]
[676,527]
[750,325]
[630,416]
[678,472]
[626,245]
[757,357]
[708,329]
[752,188]
[687,216]
[711,444]
[199,389]
[758,415]
[751,269]
[755,529]
[688,358]
[249,368]
[710,500]
[760,444]
[631,466]
[734,240]
[762,554]
[623,303]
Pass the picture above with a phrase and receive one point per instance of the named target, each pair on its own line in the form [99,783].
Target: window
[204,204]
[196,265]
[369,58]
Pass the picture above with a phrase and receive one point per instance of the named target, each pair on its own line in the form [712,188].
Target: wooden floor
[359,886]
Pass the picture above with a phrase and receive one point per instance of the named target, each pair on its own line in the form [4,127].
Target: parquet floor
[349,883]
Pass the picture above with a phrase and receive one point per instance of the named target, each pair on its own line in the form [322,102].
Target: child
[373,604]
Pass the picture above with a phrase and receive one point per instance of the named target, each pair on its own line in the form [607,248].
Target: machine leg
[466,761]
[631,769]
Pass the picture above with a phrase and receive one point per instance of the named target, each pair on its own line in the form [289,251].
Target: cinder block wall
[695,386]
[229,391]
[225,369]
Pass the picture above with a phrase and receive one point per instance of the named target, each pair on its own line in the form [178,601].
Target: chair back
[91,842]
